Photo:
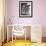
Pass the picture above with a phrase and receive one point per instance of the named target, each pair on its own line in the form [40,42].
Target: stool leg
[25,38]
[15,38]
[12,36]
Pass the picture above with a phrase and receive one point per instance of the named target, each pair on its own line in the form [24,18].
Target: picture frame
[25,8]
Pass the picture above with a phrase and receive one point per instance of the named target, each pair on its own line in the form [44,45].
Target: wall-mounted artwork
[25,8]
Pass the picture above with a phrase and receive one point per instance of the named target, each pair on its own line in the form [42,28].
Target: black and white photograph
[25,8]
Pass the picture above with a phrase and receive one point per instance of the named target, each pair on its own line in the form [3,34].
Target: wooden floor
[23,43]
[18,43]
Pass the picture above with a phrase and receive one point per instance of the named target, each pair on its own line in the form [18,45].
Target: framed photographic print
[25,8]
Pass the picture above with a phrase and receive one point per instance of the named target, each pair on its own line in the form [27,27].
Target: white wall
[39,14]
[1,20]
